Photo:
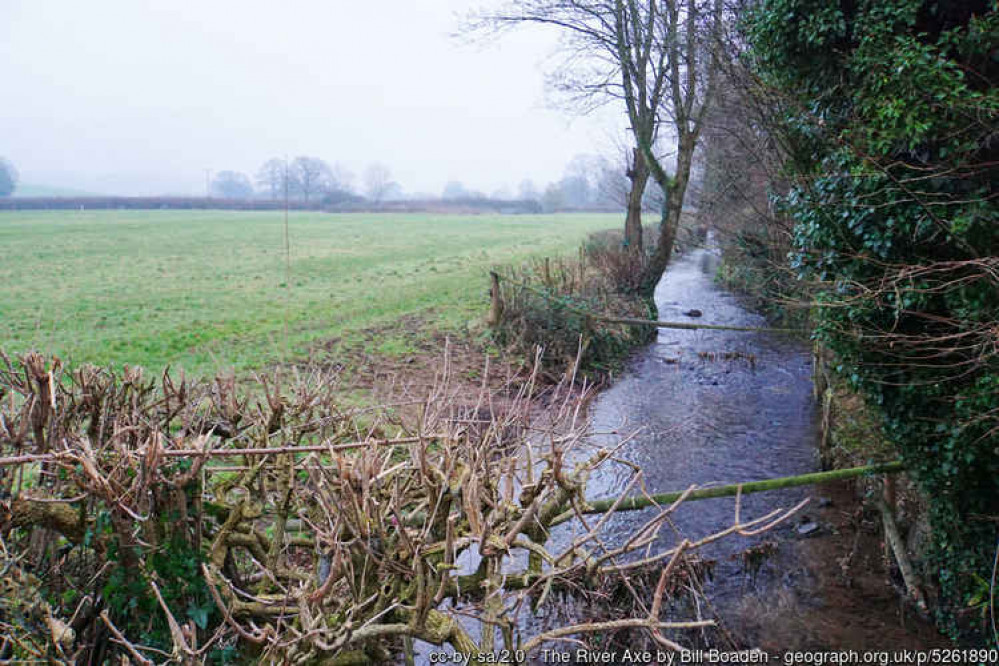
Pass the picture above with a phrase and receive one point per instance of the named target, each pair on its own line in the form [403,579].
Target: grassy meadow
[206,290]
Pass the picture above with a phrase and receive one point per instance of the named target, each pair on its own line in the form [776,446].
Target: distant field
[206,290]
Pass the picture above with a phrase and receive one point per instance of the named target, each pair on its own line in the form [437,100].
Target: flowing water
[710,407]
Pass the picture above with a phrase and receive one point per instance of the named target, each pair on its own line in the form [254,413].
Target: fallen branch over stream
[642,502]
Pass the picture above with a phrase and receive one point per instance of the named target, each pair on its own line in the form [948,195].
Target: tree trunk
[639,176]
[674,189]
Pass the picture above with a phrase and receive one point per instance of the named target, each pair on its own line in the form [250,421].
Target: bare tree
[657,58]
[377,182]
[613,186]
[310,175]
[8,178]
[454,189]
[528,191]
[232,185]
[502,193]
[335,187]
[341,179]
[638,176]
[553,199]
[272,176]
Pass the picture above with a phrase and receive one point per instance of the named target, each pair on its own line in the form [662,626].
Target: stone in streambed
[808,528]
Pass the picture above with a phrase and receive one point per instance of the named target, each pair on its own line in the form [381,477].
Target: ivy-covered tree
[890,114]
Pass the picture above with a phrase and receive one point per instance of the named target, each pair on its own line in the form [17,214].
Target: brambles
[604,280]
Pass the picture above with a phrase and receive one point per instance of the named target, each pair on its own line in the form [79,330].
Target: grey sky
[141,96]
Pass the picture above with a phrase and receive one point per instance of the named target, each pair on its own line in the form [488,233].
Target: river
[711,407]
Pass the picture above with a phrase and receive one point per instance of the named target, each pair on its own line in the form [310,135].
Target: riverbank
[712,407]
[847,596]
[698,406]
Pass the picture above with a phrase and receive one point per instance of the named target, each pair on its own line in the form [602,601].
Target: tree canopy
[232,185]
[657,59]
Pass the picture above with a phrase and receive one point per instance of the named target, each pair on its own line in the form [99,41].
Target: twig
[120,638]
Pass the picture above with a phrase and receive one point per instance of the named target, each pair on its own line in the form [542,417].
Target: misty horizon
[134,99]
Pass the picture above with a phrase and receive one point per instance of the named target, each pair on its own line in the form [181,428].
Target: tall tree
[455,190]
[612,184]
[658,59]
[8,178]
[310,176]
[528,191]
[272,176]
[638,177]
[378,182]
[341,180]
[552,200]
[575,191]
[232,185]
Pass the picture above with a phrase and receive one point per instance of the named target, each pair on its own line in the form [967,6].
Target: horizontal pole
[229,453]
[642,502]
[632,321]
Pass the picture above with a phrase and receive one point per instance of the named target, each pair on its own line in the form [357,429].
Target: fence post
[496,301]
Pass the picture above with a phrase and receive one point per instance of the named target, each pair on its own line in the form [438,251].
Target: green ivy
[176,568]
[890,111]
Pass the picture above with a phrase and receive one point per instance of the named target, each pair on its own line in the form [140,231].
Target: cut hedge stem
[496,307]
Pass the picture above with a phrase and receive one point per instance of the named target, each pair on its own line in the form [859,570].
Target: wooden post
[820,377]
[496,301]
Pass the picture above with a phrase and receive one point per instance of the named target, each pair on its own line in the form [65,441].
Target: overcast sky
[141,96]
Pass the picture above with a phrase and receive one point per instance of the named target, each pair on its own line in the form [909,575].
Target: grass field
[205,290]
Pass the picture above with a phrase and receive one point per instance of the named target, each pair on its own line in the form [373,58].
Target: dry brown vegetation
[542,304]
[164,520]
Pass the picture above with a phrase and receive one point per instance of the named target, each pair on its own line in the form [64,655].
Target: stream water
[712,407]
[706,407]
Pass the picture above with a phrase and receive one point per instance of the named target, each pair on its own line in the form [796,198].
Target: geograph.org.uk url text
[934,657]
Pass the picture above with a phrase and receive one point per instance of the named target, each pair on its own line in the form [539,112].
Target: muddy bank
[848,597]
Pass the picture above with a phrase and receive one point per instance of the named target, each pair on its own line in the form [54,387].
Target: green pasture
[206,290]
